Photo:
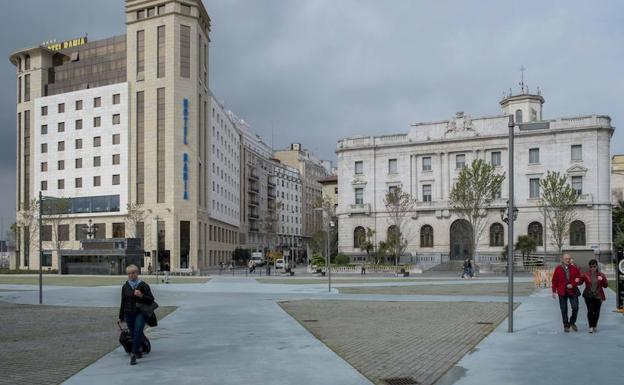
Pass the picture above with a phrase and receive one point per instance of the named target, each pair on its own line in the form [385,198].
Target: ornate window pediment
[577,169]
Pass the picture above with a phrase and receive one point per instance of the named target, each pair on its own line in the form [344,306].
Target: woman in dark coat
[595,281]
[136,309]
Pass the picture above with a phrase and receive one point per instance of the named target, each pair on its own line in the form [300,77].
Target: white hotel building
[427,160]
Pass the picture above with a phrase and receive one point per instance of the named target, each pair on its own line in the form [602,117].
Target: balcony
[253,176]
[271,195]
[271,183]
[254,189]
[253,215]
[252,202]
[253,229]
[359,208]
[585,199]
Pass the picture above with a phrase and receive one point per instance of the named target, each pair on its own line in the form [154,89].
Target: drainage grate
[310,320]
[485,323]
[401,381]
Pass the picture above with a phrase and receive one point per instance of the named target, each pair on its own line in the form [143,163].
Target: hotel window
[359,167]
[97,141]
[61,108]
[44,111]
[78,163]
[116,119]
[577,152]
[140,52]
[44,166]
[97,181]
[78,144]
[19,89]
[460,161]
[161,181]
[44,148]
[495,157]
[26,87]
[392,166]
[78,105]
[78,182]
[116,159]
[185,9]
[97,102]
[60,146]
[518,116]
[426,163]
[60,184]
[61,127]
[577,184]
[97,121]
[141,14]
[116,99]
[116,138]
[185,51]
[161,9]
[78,125]
[392,189]
[44,185]
[115,179]
[26,62]
[426,191]
[160,51]
[534,156]
[97,161]
[151,11]
[60,165]
[44,129]
[534,189]
[359,196]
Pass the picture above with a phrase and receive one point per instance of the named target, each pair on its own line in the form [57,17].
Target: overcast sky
[316,71]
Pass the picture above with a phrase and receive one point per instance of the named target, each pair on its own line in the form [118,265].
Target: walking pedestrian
[363,272]
[136,309]
[467,268]
[166,269]
[565,280]
[220,267]
[594,281]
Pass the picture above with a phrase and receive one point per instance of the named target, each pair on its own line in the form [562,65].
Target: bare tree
[270,223]
[399,207]
[473,194]
[136,215]
[57,214]
[558,199]
[27,223]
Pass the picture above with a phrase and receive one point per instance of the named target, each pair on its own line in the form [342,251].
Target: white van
[257,258]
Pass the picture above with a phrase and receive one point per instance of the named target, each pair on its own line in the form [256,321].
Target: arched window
[497,234]
[426,236]
[392,233]
[577,233]
[536,231]
[359,236]
[518,116]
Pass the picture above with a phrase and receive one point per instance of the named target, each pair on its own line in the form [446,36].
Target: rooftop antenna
[272,143]
[522,85]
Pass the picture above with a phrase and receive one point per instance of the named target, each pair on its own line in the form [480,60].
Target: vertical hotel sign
[185,156]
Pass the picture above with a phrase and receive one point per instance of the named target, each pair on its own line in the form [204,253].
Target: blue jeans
[563,305]
[136,323]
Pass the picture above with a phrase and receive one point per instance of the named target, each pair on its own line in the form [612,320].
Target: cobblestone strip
[398,339]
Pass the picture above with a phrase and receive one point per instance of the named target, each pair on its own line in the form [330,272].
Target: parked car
[279,264]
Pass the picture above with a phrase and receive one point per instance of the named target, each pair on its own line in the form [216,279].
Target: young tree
[136,215]
[28,225]
[399,207]
[618,226]
[367,242]
[558,200]
[526,245]
[473,194]
[56,213]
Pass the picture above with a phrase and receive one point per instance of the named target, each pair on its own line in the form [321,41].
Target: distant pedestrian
[467,268]
[136,309]
[251,266]
[593,293]
[231,267]
[166,269]
[363,271]
[150,270]
[220,267]
[565,280]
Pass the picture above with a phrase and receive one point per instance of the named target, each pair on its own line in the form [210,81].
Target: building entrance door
[460,240]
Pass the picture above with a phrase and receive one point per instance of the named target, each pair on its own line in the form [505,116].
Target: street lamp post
[40,250]
[510,228]
[327,256]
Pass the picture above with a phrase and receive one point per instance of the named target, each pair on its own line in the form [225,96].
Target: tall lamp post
[330,224]
[40,249]
[511,217]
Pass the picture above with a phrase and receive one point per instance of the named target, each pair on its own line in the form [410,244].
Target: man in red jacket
[565,279]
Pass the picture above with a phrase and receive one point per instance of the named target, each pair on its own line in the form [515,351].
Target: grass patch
[64,280]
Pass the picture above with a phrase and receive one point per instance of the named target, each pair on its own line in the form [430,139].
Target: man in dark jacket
[137,308]
[565,280]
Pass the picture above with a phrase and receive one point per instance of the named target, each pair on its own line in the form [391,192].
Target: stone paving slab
[539,352]
[490,289]
[47,344]
[382,340]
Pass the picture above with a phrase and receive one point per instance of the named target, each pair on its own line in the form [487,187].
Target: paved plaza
[232,330]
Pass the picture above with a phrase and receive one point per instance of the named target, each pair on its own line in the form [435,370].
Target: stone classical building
[288,193]
[123,120]
[426,161]
[617,178]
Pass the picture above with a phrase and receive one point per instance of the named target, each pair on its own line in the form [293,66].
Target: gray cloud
[318,70]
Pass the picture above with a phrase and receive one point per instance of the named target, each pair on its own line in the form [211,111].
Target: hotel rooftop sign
[54,46]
